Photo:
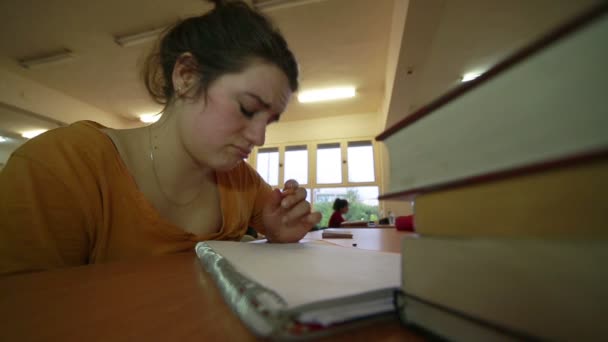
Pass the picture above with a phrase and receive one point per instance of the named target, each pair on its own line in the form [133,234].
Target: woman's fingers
[313,218]
[296,212]
[291,184]
[296,218]
[292,198]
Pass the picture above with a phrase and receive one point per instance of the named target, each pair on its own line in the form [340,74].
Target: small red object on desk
[405,223]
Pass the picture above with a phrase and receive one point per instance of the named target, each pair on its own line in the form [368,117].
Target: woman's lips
[243,152]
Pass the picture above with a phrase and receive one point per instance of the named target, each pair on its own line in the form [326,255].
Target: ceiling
[336,42]
[105,75]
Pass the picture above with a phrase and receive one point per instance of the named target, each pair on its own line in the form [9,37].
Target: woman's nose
[255,132]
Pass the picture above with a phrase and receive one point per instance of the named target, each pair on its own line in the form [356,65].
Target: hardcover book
[543,105]
[565,202]
[524,289]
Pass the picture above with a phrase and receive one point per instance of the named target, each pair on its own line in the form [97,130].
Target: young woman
[88,194]
[340,208]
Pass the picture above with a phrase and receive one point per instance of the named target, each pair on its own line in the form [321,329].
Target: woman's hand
[287,216]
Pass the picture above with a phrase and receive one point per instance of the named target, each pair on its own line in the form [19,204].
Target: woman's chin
[227,165]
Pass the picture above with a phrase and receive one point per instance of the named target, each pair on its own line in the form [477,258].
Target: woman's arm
[42,225]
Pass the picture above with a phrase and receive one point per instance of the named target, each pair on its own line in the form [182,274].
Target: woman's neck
[178,176]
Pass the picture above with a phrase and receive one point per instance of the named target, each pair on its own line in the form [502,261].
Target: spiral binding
[260,308]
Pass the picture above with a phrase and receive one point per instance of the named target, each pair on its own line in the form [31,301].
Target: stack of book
[509,177]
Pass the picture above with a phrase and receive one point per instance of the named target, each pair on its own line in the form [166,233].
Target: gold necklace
[160,188]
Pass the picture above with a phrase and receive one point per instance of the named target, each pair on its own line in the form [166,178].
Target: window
[329,164]
[360,162]
[267,165]
[344,169]
[362,202]
[296,163]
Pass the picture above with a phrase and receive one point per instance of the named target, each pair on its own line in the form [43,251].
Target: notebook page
[303,273]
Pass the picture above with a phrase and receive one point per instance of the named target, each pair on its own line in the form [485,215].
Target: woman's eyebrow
[259,99]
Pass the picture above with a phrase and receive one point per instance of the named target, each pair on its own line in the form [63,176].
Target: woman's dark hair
[225,40]
[340,203]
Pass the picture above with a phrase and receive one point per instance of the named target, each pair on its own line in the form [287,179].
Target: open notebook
[292,290]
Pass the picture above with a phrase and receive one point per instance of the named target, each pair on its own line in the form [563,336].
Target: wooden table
[388,240]
[365,225]
[166,298]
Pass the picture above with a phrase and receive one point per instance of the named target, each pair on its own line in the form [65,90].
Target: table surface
[164,298]
[387,240]
[363,224]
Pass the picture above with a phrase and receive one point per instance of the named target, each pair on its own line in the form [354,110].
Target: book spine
[528,285]
[565,202]
[440,322]
[261,309]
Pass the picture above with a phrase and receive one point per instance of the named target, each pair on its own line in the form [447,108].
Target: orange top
[67,198]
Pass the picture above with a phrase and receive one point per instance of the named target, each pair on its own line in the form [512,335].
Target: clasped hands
[287,216]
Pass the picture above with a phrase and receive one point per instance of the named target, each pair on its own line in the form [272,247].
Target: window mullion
[312,164]
[376,161]
[253,158]
[344,162]
[312,168]
[282,166]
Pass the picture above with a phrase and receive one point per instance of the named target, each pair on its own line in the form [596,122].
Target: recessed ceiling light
[327,94]
[149,118]
[31,134]
[470,76]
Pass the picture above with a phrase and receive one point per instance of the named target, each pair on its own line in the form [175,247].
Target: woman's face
[221,129]
[344,210]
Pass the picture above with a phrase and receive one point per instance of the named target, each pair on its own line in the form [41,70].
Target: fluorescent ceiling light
[3,139]
[138,38]
[149,118]
[31,134]
[326,94]
[270,5]
[470,76]
[54,58]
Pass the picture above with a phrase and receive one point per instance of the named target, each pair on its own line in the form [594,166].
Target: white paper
[302,273]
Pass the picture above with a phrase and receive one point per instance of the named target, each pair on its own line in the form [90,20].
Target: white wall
[34,97]
[339,127]
[400,8]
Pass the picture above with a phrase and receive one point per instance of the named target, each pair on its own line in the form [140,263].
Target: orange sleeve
[43,224]
[262,192]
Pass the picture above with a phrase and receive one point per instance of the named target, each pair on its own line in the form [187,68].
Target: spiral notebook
[301,289]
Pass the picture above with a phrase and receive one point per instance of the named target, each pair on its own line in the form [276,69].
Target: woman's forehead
[262,81]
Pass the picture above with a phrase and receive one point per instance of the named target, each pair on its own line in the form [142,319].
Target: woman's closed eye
[250,114]
[247,113]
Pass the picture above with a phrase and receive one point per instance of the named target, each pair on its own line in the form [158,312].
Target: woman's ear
[185,73]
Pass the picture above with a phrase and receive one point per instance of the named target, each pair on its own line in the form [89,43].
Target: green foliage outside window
[357,210]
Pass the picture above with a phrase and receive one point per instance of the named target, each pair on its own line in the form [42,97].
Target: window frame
[311,147]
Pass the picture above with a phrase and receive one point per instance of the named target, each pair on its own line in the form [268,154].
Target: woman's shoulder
[79,135]
[76,143]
